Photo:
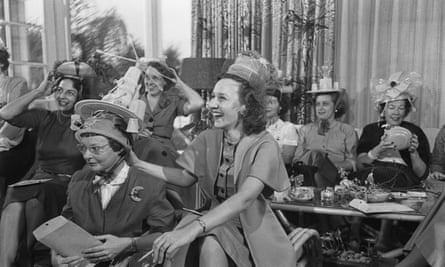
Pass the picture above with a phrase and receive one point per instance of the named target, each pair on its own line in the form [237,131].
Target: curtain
[375,38]
[297,36]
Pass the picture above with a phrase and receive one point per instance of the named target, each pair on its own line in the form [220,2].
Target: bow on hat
[399,86]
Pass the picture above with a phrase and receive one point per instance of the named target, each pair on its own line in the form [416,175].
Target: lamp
[202,73]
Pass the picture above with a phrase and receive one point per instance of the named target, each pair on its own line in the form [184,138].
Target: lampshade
[202,73]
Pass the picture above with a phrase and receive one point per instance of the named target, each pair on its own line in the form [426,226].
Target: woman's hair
[165,71]
[79,85]
[408,107]
[4,59]
[254,117]
[339,103]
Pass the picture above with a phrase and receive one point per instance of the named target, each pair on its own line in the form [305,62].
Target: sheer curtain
[297,36]
[375,38]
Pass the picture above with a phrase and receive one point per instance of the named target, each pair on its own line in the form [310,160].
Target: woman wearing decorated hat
[237,164]
[402,160]
[131,203]
[394,152]
[31,202]
[166,97]
[327,143]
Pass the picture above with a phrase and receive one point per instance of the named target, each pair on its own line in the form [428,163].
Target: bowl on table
[302,193]
[377,196]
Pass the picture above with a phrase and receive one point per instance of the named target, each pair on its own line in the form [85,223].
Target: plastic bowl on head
[399,136]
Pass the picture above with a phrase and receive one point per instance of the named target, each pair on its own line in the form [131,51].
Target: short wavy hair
[165,71]
[339,103]
[254,117]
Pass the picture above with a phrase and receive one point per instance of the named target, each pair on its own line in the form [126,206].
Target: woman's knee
[211,249]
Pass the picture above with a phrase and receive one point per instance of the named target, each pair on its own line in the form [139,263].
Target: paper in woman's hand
[30,182]
[65,237]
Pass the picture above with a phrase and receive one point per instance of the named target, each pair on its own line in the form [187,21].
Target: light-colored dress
[256,156]
[284,132]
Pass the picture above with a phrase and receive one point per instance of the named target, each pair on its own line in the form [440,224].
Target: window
[28,29]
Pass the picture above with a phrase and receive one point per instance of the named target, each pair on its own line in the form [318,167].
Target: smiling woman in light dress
[238,165]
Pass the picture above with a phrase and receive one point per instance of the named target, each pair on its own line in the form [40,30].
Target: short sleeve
[192,159]
[29,119]
[290,137]
[269,168]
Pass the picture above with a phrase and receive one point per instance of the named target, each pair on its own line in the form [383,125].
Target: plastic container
[327,196]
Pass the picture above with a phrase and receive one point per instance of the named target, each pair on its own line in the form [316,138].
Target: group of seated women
[106,179]
[96,174]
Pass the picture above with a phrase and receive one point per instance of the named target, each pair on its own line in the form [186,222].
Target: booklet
[65,237]
[383,207]
[30,182]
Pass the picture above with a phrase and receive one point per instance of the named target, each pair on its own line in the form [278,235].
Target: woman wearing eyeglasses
[28,205]
[124,208]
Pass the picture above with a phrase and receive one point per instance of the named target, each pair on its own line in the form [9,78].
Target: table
[313,207]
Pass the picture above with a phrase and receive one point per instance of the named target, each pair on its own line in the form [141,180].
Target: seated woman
[327,143]
[132,204]
[237,164]
[166,97]
[284,132]
[26,207]
[392,167]
[437,167]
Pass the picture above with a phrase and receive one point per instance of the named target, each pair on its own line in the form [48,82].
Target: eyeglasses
[96,150]
[68,92]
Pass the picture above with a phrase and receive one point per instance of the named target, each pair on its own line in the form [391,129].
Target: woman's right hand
[132,159]
[437,176]
[382,146]
[60,261]
[45,87]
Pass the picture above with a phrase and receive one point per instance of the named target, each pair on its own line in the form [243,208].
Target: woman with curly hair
[166,97]
[237,164]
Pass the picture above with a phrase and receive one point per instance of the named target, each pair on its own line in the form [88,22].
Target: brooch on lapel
[135,193]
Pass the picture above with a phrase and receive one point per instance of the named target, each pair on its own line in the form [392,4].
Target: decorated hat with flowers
[399,86]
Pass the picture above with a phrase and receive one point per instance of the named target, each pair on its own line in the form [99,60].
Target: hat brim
[323,91]
[86,108]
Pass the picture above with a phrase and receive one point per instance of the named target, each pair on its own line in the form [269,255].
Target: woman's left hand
[110,248]
[414,144]
[166,246]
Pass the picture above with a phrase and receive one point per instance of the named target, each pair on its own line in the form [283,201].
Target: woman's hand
[132,159]
[437,176]
[382,146]
[60,261]
[166,246]
[45,87]
[110,248]
[414,144]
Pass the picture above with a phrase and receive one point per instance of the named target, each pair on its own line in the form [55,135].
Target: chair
[305,241]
